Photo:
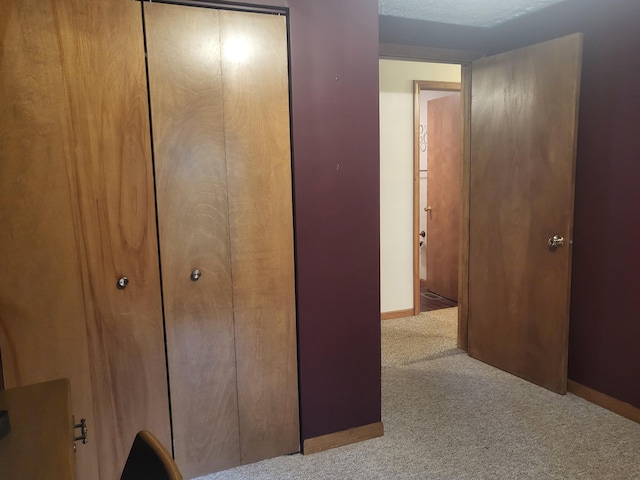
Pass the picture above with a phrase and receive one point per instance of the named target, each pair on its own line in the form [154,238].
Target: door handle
[556,241]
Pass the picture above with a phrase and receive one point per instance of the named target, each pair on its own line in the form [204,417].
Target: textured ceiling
[476,13]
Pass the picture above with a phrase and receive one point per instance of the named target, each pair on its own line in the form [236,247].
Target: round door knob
[556,241]
[122,283]
[195,275]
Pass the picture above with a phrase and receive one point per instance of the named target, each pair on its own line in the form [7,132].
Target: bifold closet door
[191,182]
[220,120]
[256,109]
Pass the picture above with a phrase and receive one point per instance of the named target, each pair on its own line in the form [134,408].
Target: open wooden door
[443,194]
[523,139]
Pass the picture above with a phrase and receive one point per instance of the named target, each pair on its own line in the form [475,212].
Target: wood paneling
[444,142]
[115,224]
[523,137]
[189,147]
[78,202]
[256,105]
[42,309]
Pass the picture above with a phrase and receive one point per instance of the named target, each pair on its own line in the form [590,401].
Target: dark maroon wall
[334,80]
[334,92]
[604,343]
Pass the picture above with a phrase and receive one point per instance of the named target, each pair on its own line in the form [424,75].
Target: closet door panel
[77,206]
[42,309]
[256,105]
[109,159]
[187,118]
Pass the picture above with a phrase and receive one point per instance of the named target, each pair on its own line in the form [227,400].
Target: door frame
[464,59]
[418,86]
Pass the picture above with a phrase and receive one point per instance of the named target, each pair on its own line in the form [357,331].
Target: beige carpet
[454,418]
[417,339]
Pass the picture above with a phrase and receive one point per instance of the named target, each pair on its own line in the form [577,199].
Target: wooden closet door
[256,106]
[77,209]
[187,117]
[42,326]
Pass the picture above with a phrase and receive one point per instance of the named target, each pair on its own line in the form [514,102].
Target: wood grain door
[523,137]
[77,214]
[444,120]
[185,82]
[42,309]
[256,106]
[219,102]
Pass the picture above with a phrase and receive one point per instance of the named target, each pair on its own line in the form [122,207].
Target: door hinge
[83,432]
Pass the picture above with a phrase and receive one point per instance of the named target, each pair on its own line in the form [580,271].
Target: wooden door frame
[464,59]
[418,86]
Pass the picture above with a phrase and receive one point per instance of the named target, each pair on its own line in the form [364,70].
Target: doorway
[518,89]
[399,241]
[398,237]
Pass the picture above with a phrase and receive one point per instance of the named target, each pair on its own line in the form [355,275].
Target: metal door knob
[195,275]
[122,283]
[556,241]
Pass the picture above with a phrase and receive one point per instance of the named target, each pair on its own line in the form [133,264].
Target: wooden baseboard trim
[605,401]
[340,439]
[423,284]
[397,314]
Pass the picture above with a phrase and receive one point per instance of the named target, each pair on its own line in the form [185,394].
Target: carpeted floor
[417,339]
[449,417]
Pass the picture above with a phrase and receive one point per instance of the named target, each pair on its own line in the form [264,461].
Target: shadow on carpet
[427,336]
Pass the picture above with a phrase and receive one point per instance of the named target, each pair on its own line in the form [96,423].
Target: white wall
[396,175]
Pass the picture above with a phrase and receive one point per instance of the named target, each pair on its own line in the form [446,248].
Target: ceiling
[475,13]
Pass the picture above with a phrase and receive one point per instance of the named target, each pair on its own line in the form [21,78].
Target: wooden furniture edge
[605,401]
[40,444]
[397,314]
[340,439]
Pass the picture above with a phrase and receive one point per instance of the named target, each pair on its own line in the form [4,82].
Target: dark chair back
[149,460]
